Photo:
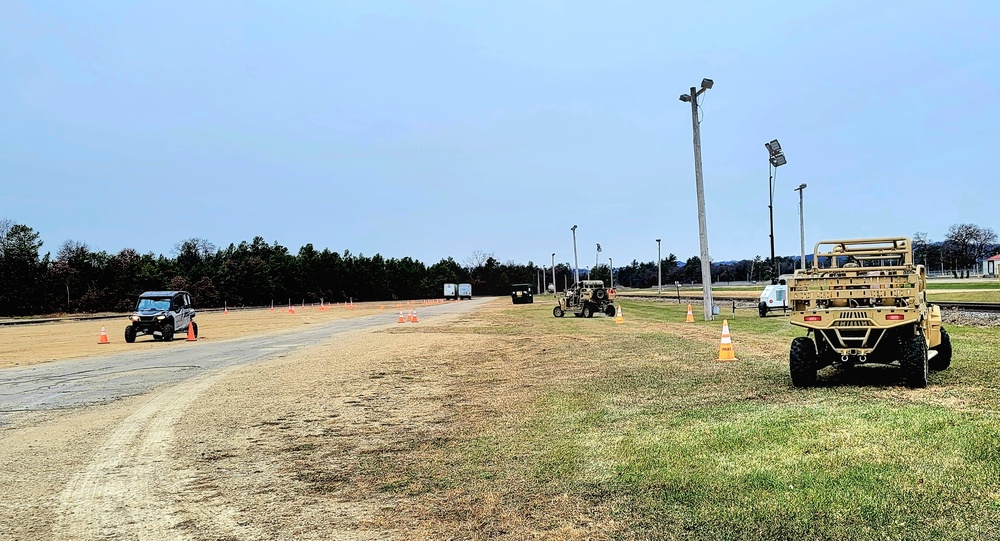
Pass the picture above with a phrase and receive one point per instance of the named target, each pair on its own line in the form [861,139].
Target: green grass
[636,432]
[991,285]
[964,296]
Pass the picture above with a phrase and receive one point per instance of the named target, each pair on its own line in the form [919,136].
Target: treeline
[255,273]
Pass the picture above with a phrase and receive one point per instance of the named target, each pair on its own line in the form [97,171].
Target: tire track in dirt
[129,490]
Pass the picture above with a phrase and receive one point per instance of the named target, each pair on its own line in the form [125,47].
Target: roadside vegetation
[581,428]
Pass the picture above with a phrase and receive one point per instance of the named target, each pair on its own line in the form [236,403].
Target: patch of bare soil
[355,440]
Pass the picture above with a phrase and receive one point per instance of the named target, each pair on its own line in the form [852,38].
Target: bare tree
[477,259]
[965,244]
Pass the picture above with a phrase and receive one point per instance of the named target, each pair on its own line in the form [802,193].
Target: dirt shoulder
[24,345]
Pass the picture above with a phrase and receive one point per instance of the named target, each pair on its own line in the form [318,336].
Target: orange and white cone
[414,320]
[726,344]
[690,316]
[618,317]
[104,336]
[401,318]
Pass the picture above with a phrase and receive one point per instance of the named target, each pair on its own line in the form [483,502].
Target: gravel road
[103,379]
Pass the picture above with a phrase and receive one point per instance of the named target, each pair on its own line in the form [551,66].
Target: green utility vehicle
[866,303]
[521,294]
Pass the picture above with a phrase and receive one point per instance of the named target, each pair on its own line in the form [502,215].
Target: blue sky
[435,129]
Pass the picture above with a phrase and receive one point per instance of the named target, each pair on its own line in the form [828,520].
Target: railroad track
[970,306]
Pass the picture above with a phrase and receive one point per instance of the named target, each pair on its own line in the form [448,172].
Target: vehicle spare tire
[600,294]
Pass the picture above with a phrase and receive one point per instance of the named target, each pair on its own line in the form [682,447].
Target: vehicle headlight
[134,318]
[161,317]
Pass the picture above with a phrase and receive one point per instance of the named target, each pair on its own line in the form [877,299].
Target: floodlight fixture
[801,187]
[773,147]
[707,83]
[685,98]
[778,160]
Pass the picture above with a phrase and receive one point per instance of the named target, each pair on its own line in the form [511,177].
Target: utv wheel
[587,311]
[167,330]
[802,362]
[130,334]
[943,358]
[558,312]
[762,309]
[914,361]
[609,310]
[600,294]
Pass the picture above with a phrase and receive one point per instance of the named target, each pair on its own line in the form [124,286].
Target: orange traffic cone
[414,320]
[618,318]
[401,318]
[381,307]
[690,316]
[191,335]
[726,344]
[291,310]
[104,336]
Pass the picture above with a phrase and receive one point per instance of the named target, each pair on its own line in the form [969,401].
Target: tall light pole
[706,261]
[538,278]
[802,225]
[776,159]
[659,269]
[611,268]
[553,272]
[576,263]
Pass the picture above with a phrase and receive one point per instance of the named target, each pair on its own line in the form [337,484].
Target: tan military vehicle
[585,299]
[869,305]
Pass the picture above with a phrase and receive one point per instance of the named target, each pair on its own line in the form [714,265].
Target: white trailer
[465,291]
[451,291]
[774,297]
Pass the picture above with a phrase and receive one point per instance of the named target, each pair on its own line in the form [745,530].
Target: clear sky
[440,128]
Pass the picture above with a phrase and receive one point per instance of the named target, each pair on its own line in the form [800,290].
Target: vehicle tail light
[894,317]
[814,318]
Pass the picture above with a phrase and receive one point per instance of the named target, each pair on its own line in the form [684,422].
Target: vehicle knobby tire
[762,309]
[600,294]
[130,334]
[167,330]
[914,360]
[610,311]
[588,311]
[558,312]
[802,362]
[943,358]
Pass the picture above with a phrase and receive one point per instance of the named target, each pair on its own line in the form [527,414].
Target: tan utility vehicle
[585,299]
[868,306]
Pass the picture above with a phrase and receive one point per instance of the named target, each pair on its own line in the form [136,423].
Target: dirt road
[135,446]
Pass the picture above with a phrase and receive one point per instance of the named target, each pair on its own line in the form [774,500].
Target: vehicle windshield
[153,304]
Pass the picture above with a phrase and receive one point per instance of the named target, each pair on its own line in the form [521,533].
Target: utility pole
[706,261]
[611,268]
[802,225]
[553,272]
[576,262]
[659,269]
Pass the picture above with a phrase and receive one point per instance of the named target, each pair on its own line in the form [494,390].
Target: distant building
[991,265]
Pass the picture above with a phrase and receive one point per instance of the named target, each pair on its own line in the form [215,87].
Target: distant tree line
[255,273]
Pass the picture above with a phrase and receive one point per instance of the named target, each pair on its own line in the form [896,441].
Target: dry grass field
[507,423]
